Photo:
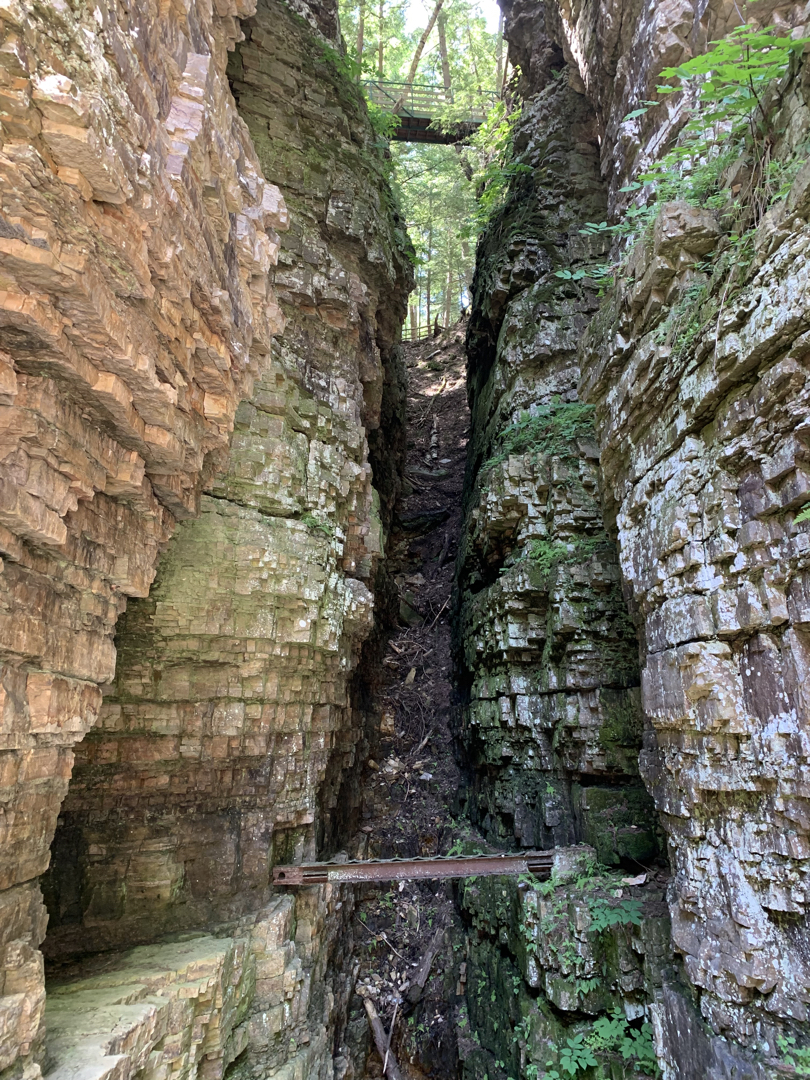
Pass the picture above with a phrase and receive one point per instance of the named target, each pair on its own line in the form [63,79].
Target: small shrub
[318,525]
[605,914]
[550,429]
[797,1056]
[730,118]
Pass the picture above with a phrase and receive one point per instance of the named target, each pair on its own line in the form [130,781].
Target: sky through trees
[437,185]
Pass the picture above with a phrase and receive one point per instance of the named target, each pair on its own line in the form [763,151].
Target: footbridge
[417,105]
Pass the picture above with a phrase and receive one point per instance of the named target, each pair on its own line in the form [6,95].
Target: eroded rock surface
[540,968]
[705,455]
[552,721]
[615,51]
[138,232]
[137,313]
[700,394]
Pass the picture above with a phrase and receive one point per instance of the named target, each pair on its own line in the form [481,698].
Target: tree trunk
[429,257]
[361,20]
[443,51]
[448,300]
[466,167]
[420,48]
[502,92]
[417,984]
[381,46]
[414,323]
[382,1042]
[475,66]
[499,54]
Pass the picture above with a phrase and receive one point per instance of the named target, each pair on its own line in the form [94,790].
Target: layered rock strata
[700,388]
[229,719]
[706,479]
[226,738]
[552,722]
[541,969]
[137,235]
[615,51]
[203,1005]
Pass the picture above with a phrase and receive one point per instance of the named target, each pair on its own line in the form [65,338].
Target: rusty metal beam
[538,863]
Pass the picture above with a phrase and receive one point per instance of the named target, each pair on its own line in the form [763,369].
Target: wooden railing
[421,100]
[418,333]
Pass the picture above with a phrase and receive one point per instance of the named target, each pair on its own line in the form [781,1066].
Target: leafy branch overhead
[731,93]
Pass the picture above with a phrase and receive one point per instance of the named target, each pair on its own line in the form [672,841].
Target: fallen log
[382,1041]
[417,985]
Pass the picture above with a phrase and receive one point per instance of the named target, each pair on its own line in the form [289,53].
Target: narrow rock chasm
[278,586]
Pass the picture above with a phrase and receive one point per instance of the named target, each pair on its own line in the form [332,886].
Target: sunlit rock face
[703,467]
[139,242]
[136,310]
[229,718]
[706,491]
[615,51]
[705,457]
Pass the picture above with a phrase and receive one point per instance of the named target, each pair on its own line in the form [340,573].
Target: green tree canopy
[437,185]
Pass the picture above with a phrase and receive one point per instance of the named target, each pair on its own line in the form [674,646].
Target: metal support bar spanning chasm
[538,863]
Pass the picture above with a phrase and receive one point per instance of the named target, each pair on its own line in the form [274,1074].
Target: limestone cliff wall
[551,721]
[540,969]
[702,471]
[706,479]
[229,721]
[615,50]
[138,244]
[136,309]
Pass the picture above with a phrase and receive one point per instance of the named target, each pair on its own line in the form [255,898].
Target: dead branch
[431,403]
[441,609]
[445,551]
[390,1037]
[417,56]
[382,1041]
[417,984]
[423,743]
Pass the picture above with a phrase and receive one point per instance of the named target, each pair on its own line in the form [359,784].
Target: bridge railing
[417,333]
[422,100]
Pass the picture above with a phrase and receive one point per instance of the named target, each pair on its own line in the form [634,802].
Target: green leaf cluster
[614,1034]
[611,1034]
[494,164]
[546,554]
[600,273]
[575,1056]
[797,1056]
[383,123]
[730,99]
[605,914]
[326,528]
[436,185]
[342,62]
[735,72]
